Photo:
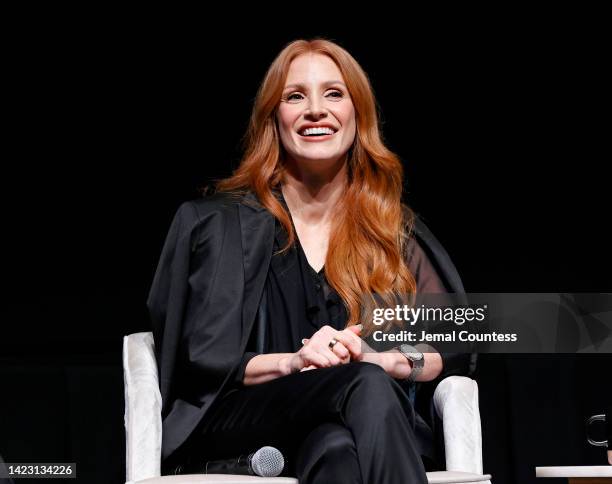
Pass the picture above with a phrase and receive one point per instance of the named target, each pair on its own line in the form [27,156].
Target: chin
[330,159]
[321,155]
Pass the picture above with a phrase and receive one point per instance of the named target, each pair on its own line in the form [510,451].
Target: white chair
[455,400]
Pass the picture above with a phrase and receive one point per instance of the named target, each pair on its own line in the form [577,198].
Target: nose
[315,109]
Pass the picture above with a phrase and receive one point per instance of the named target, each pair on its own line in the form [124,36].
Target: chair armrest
[143,424]
[456,403]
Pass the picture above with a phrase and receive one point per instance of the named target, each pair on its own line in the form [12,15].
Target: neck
[312,196]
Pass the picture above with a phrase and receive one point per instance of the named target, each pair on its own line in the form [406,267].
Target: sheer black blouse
[300,301]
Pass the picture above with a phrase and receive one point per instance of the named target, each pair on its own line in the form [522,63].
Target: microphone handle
[241,466]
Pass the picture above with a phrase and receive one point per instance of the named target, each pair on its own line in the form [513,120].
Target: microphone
[265,462]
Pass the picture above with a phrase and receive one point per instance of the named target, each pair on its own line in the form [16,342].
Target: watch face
[411,352]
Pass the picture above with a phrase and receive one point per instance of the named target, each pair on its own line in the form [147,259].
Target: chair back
[142,418]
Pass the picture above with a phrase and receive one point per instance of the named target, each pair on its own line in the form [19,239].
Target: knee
[367,370]
[375,389]
[328,454]
[337,443]
[373,379]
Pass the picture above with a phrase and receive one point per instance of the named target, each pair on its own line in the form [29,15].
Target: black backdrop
[504,136]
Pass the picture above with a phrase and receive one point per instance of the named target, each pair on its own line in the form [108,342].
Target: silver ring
[332,343]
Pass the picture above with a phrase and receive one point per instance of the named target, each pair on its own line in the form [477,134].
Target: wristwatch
[415,357]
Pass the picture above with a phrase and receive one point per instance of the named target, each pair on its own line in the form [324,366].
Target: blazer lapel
[257,229]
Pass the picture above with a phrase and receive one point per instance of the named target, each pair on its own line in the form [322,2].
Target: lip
[313,125]
[315,139]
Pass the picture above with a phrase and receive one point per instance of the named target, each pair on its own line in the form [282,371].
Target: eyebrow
[303,86]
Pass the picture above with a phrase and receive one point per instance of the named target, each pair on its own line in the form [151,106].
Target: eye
[294,97]
[335,94]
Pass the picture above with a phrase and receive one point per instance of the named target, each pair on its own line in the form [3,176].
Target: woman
[260,290]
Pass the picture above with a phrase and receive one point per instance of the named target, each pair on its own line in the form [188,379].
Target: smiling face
[316,117]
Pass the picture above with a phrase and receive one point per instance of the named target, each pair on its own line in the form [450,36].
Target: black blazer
[204,302]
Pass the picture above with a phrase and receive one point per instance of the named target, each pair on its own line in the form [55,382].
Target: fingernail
[360,326]
[304,341]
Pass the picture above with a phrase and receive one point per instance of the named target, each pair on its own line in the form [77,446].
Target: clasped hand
[317,352]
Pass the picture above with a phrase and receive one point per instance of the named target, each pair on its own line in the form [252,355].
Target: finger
[340,350]
[312,356]
[346,359]
[343,343]
[326,353]
[351,342]
[331,356]
[324,336]
[354,332]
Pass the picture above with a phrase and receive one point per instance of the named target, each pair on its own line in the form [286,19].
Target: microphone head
[268,462]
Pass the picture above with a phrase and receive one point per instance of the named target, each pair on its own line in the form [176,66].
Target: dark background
[503,128]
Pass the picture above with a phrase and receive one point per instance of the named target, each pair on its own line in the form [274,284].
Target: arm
[266,367]
[428,282]
[315,353]
[397,366]
[196,346]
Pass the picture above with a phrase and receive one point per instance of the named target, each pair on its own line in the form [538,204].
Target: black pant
[346,424]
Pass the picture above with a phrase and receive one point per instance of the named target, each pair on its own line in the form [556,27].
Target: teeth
[311,131]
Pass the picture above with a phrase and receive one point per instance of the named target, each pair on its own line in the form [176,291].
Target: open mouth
[317,132]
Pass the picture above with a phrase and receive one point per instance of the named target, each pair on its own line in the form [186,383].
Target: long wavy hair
[366,251]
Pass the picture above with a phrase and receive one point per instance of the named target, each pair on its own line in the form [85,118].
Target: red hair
[365,253]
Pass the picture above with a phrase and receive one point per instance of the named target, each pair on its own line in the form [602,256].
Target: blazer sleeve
[168,297]
[432,279]
[192,305]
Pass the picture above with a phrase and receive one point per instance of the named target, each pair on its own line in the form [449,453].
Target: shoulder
[415,229]
[419,237]
[217,203]
[424,248]
[207,216]
[199,210]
